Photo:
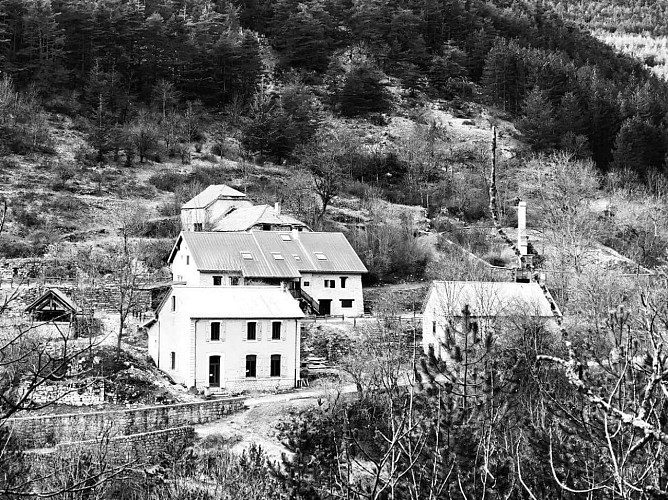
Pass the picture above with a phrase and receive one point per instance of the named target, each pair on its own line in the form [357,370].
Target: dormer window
[320,256]
[286,237]
[246,255]
[297,257]
[277,256]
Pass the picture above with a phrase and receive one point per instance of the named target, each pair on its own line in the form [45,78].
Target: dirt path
[257,424]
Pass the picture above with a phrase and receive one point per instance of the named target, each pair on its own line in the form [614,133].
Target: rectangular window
[306,283]
[234,281]
[286,237]
[275,368]
[277,256]
[215,330]
[187,260]
[330,284]
[276,330]
[343,281]
[433,327]
[172,360]
[320,256]
[251,330]
[217,280]
[198,226]
[346,303]
[251,365]
[173,303]
[246,255]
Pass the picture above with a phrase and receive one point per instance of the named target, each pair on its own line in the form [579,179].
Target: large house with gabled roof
[320,269]
[208,207]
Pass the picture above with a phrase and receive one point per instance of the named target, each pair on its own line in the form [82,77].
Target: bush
[15,249]
[363,92]
[167,181]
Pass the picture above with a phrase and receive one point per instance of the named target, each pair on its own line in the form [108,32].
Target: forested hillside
[274,67]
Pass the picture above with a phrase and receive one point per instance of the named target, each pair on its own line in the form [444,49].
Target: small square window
[217,280]
[246,255]
[286,237]
[215,330]
[306,283]
[320,256]
[251,365]
[330,284]
[275,369]
[347,303]
[251,330]
[297,257]
[276,330]
[234,280]
[197,227]
[277,256]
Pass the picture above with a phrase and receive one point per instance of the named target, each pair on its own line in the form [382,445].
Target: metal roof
[211,194]
[237,302]
[68,304]
[487,299]
[245,218]
[221,251]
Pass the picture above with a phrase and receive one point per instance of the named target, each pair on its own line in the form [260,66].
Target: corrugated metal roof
[245,218]
[486,299]
[221,251]
[238,302]
[210,194]
[339,255]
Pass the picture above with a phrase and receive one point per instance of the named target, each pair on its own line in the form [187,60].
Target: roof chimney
[277,208]
[522,227]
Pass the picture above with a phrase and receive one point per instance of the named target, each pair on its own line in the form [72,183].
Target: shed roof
[487,299]
[67,303]
[244,218]
[211,194]
[237,302]
[274,254]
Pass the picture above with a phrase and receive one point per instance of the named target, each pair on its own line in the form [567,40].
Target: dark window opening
[217,280]
[251,365]
[173,303]
[172,360]
[266,227]
[346,303]
[276,330]
[306,283]
[215,330]
[275,365]
[198,226]
[234,281]
[343,281]
[251,330]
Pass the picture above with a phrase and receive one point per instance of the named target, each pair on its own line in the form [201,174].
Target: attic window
[246,255]
[277,256]
[286,237]
[320,256]
[297,257]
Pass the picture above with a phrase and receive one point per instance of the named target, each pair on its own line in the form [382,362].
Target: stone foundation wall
[49,430]
[70,394]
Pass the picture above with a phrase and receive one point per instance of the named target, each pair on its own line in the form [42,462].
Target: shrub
[167,181]
[363,92]
[14,249]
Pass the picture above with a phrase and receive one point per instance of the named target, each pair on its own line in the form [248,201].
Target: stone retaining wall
[49,430]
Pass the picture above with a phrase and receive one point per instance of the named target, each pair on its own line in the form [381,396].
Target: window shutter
[284,366]
[284,327]
[258,330]
[223,328]
[244,332]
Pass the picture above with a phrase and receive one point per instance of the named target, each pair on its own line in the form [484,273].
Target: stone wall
[49,430]
[82,394]
[133,449]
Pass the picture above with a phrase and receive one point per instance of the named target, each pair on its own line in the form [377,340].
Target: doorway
[214,371]
[325,306]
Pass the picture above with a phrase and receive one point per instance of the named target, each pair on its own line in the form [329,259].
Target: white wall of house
[184,268]
[176,335]
[171,334]
[353,291]
[206,279]
[233,347]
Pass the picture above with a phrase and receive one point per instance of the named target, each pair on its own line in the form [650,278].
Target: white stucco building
[321,270]
[489,305]
[228,338]
[203,211]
